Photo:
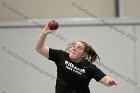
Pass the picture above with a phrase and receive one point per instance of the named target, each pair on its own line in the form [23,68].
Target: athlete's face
[77,52]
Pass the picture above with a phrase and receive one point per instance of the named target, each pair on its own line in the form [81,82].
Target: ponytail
[92,56]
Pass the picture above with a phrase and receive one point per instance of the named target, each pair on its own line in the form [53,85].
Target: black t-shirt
[73,77]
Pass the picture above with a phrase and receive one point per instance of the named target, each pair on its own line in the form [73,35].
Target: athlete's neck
[76,61]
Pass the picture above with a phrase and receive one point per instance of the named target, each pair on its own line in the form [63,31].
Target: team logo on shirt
[73,68]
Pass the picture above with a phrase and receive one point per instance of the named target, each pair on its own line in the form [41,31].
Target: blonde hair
[92,56]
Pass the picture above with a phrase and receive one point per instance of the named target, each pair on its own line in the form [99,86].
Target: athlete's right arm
[40,46]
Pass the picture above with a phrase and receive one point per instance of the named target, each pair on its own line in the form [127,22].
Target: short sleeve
[96,73]
[55,54]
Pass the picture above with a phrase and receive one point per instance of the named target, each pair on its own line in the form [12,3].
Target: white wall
[23,70]
[15,10]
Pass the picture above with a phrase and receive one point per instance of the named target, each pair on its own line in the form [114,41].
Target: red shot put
[53,25]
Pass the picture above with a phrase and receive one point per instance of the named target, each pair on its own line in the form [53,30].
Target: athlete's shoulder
[89,63]
[90,66]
